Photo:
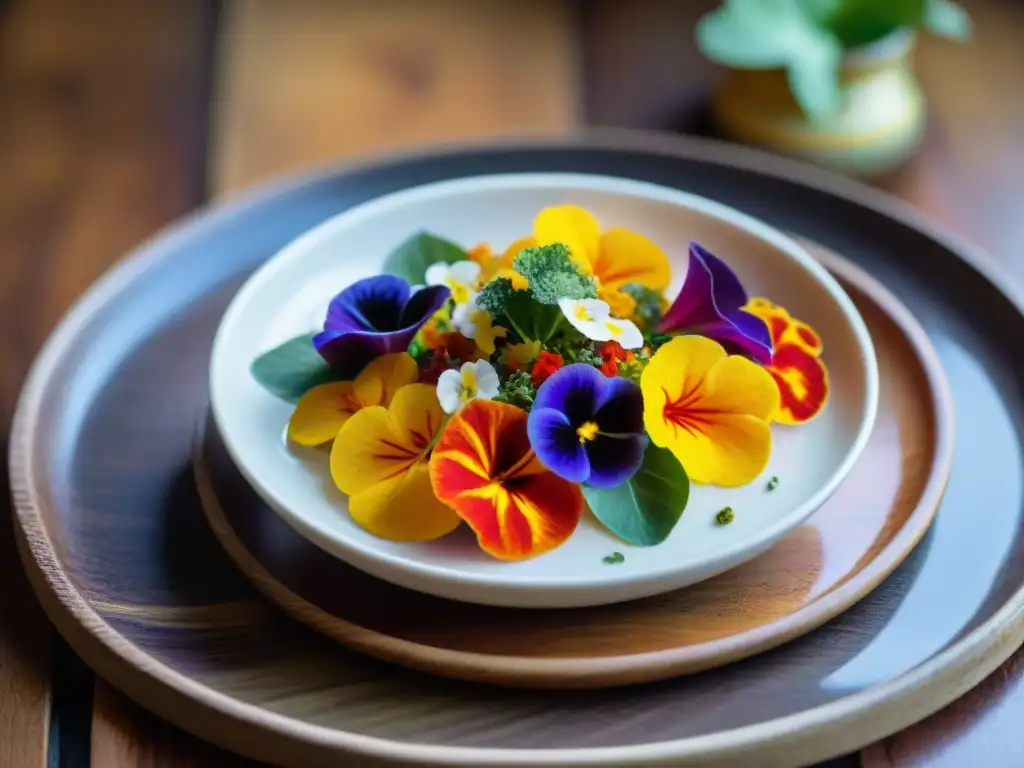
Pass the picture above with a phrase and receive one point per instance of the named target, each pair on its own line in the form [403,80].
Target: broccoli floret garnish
[495,295]
[553,275]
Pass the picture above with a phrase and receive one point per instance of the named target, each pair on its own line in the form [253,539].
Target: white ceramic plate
[290,293]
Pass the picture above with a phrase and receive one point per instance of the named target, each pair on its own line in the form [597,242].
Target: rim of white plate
[359,553]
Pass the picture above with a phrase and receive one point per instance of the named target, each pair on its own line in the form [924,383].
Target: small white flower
[463,318]
[473,380]
[461,277]
[593,319]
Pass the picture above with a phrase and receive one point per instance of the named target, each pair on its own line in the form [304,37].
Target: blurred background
[119,116]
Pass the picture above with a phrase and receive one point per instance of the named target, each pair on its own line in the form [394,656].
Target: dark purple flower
[711,303]
[588,428]
[373,317]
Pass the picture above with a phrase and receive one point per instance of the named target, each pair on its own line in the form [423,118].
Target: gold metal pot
[880,120]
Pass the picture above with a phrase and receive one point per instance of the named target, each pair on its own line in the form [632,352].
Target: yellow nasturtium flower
[380,459]
[615,258]
[711,409]
[325,409]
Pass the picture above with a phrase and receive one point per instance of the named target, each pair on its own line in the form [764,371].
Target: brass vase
[879,123]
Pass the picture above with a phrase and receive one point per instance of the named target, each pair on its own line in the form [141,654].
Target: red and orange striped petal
[484,468]
[803,384]
[784,328]
[801,376]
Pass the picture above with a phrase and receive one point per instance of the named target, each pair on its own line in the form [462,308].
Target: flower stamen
[587,431]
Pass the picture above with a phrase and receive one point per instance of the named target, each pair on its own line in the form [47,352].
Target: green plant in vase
[826,80]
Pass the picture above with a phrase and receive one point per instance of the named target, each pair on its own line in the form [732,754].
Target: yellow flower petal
[379,459]
[321,412]
[620,303]
[519,282]
[509,256]
[574,227]
[369,450]
[629,257]
[404,508]
[731,451]
[738,385]
[486,332]
[377,383]
[523,352]
[416,414]
[683,362]
[712,410]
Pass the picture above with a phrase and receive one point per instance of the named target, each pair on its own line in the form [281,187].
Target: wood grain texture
[306,81]
[845,549]
[129,570]
[126,736]
[99,143]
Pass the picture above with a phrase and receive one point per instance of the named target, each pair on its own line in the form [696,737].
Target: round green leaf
[411,259]
[644,510]
[291,369]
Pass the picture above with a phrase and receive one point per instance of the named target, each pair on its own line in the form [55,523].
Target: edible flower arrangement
[508,391]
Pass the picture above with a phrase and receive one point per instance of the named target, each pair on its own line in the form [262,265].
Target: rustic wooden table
[116,117]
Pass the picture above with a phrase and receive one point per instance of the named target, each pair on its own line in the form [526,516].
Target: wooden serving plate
[116,545]
[847,547]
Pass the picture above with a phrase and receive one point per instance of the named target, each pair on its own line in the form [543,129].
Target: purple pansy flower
[373,317]
[588,428]
[711,303]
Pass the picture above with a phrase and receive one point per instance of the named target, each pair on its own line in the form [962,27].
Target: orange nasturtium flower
[493,267]
[324,409]
[711,409]
[484,467]
[381,460]
[796,363]
[614,258]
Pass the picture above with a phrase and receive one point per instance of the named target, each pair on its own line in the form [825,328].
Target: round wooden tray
[849,545]
[115,542]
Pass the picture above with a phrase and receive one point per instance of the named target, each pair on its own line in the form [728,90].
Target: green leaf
[730,37]
[813,81]
[532,320]
[948,19]
[860,22]
[644,510]
[292,369]
[411,259]
[764,34]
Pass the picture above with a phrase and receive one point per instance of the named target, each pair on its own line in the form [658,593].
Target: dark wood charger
[157,611]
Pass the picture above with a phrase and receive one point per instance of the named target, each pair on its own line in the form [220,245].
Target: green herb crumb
[575,350]
[517,390]
[772,484]
[614,558]
[725,516]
